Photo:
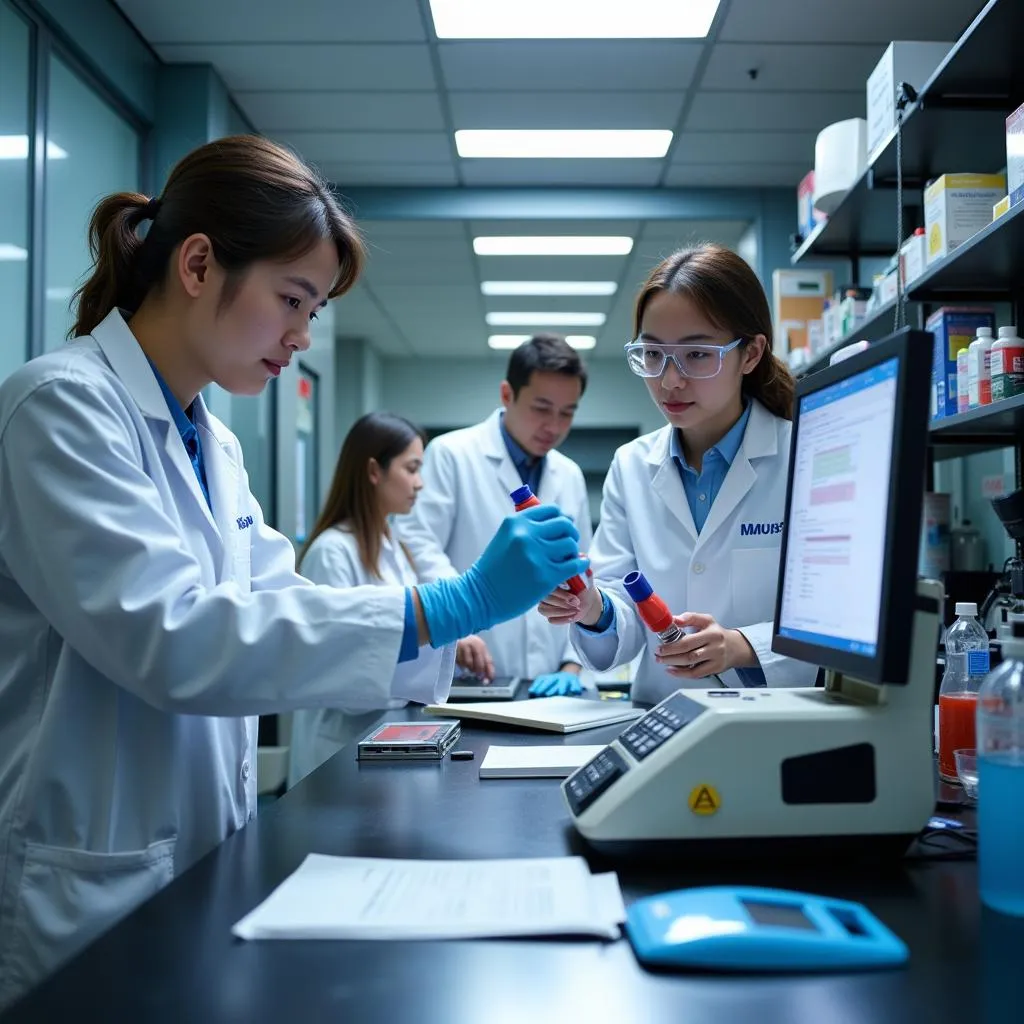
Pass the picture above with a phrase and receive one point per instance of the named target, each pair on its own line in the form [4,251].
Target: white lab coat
[333,559]
[467,478]
[726,571]
[136,629]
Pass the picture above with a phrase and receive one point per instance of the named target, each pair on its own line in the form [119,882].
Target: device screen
[779,915]
[842,463]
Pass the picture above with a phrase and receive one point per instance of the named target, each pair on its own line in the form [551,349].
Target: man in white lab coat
[467,478]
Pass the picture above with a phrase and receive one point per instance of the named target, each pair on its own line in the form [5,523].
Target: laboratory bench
[174,959]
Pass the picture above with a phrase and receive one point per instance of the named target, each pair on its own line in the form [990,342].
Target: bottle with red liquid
[967,664]
[523,497]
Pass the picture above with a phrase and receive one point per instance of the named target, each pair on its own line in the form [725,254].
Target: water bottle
[966,667]
[1001,780]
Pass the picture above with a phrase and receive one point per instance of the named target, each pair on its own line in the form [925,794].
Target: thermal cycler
[757,771]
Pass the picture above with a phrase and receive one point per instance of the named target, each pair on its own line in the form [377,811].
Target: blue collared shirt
[702,488]
[528,466]
[187,432]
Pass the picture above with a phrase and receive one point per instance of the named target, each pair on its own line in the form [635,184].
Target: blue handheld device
[734,928]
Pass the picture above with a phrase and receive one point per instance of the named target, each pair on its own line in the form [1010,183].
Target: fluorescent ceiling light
[558,144]
[552,245]
[15,147]
[548,287]
[507,341]
[549,319]
[59,294]
[572,19]
[11,253]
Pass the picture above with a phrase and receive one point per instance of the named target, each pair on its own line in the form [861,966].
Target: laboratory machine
[839,768]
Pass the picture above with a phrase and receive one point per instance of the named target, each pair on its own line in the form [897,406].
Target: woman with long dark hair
[352,544]
[147,612]
[698,505]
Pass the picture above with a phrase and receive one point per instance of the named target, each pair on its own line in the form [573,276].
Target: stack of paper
[369,898]
[536,762]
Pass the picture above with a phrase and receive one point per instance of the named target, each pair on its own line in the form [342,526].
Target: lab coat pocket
[69,897]
[755,577]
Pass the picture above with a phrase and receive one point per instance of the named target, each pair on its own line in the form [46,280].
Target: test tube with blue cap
[523,497]
[653,610]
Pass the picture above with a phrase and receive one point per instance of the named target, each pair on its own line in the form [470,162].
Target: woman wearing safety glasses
[696,506]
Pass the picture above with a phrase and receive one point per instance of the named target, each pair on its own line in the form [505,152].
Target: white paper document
[370,898]
[537,762]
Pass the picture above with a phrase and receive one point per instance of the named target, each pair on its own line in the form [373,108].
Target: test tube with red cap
[523,497]
[653,610]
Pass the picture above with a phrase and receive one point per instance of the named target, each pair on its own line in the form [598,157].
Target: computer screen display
[835,558]
[848,567]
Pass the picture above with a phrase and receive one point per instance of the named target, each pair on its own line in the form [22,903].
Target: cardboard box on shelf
[957,206]
[798,296]
[953,328]
[1015,156]
[910,62]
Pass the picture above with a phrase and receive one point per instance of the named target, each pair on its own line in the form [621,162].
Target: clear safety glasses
[647,359]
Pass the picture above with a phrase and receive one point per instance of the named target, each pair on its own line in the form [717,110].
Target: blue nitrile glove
[532,553]
[556,684]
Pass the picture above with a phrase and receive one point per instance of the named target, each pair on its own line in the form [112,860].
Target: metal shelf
[985,62]
[989,427]
[957,124]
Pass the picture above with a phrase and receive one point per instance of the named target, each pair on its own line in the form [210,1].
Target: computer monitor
[848,564]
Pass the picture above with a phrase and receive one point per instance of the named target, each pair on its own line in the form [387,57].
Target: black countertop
[175,960]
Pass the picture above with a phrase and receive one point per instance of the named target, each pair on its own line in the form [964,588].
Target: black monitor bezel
[891,661]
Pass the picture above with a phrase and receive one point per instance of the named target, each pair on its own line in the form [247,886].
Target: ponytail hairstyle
[352,499]
[254,199]
[726,290]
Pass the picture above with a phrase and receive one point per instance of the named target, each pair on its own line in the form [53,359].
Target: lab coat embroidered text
[760,529]
[244,522]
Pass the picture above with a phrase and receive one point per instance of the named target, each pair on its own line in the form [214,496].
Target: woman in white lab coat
[352,544]
[698,505]
[147,612]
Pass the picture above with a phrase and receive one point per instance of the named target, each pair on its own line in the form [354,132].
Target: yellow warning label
[704,799]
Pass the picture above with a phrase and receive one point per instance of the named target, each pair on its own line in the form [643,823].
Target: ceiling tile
[342,111]
[743,147]
[550,268]
[637,173]
[777,111]
[379,230]
[565,109]
[794,67]
[754,175]
[682,232]
[847,21]
[369,147]
[267,67]
[574,64]
[357,315]
[349,174]
[255,21]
